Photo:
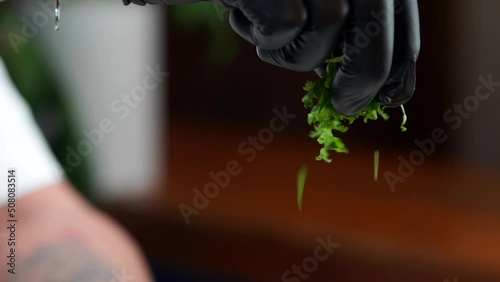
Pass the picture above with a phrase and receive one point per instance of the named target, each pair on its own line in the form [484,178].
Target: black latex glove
[381,42]
[269,24]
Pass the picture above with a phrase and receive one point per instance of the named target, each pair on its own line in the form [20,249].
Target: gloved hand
[381,42]
[269,24]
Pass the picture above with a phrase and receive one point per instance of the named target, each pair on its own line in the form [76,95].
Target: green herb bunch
[326,121]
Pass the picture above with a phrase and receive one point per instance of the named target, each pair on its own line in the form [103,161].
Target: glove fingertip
[321,70]
[243,27]
[400,88]
[354,92]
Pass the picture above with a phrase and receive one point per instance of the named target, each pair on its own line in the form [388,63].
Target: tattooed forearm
[62,262]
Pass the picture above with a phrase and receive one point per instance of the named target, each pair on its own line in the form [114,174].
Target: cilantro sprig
[326,121]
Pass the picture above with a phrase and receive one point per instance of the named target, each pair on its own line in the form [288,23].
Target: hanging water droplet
[58,14]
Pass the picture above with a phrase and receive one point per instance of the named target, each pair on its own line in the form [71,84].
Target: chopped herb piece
[326,121]
[301,182]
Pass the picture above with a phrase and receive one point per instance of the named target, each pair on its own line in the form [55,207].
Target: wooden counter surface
[442,222]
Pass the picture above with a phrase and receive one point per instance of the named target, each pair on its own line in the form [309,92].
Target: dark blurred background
[441,224]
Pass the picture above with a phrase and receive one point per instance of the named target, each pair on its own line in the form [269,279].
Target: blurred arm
[60,237]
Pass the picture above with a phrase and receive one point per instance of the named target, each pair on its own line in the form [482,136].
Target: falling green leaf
[405,119]
[376,159]
[301,182]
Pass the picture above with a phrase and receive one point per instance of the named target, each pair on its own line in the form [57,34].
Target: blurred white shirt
[22,145]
